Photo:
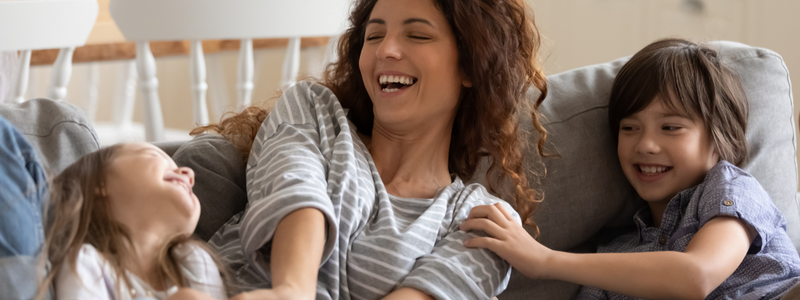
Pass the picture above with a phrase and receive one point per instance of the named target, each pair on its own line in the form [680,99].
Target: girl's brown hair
[695,76]
[79,213]
[498,44]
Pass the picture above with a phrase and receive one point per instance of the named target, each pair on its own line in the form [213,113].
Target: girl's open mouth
[391,83]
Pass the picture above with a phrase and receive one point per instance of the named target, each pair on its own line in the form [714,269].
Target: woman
[355,185]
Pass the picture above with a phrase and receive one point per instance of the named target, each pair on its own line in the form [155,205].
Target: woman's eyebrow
[417,20]
[406,22]
[376,21]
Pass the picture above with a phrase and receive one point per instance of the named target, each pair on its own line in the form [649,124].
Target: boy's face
[663,152]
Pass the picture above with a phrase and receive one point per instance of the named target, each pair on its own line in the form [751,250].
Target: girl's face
[147,190]
[663,152]
[409,64]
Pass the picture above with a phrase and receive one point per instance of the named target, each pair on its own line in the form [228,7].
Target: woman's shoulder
[467,196]
[303,99]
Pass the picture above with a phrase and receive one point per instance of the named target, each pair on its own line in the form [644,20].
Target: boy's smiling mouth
[650,173]
[394,83]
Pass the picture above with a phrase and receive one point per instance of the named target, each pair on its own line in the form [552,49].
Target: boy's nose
[647,145]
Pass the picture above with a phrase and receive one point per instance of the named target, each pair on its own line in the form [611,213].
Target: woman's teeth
[391,84]
[652,170]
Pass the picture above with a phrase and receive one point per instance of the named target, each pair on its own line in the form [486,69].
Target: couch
[587,198]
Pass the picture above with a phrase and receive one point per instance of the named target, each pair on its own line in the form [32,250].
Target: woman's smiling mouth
[394,83]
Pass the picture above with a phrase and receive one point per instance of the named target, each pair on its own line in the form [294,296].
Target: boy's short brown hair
[700,84]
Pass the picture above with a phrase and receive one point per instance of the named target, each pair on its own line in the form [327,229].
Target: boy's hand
[507,238]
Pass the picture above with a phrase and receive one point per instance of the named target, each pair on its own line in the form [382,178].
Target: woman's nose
[390,48]
[188,172]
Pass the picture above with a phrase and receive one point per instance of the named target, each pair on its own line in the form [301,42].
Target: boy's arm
[712,255]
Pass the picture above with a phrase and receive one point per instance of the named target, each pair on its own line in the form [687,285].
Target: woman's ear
[465,80]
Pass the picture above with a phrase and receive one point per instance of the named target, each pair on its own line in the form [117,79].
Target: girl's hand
[276,293]
[508,239]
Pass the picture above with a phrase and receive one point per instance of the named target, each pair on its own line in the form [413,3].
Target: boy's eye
[626,128]
[670,128]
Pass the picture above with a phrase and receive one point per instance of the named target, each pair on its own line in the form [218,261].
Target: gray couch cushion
[219,179]
[585,189]
[58,130]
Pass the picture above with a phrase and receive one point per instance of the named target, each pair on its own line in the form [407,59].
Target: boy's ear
[100,192]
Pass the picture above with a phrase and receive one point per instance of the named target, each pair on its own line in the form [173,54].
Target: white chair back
[45,24]
[150,20]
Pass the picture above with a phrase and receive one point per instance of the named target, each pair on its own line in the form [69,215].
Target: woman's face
[409,64]
[147,190]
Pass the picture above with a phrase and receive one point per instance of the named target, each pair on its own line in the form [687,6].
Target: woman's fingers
[491,228]
[490,212]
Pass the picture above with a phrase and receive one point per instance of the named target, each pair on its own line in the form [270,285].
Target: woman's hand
[273,294]
[508,239]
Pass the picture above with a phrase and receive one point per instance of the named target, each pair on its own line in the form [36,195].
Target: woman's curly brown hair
[498,45]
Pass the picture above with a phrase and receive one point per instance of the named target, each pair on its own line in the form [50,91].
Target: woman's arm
[712,255]
[295,258]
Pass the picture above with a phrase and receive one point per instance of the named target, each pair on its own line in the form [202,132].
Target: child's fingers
[505,212]
[486,225]
[482,242]
[488,212]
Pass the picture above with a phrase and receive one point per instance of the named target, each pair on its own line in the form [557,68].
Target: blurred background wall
[577,32]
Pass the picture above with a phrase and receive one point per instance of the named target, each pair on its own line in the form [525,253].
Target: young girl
[119,228]
[709,230]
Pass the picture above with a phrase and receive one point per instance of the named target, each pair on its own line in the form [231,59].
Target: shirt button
[727,202]
[662,239]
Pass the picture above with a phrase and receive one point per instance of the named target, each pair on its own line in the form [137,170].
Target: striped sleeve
[453,271]
[287,169]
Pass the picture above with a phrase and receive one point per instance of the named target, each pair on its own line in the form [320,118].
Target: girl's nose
[188,172]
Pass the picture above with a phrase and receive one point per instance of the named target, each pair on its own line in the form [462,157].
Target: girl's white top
[94,278]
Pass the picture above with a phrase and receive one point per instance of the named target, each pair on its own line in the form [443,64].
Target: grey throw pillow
[58,130]
[219,180]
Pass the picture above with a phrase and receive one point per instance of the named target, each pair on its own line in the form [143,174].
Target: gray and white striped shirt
[307,154]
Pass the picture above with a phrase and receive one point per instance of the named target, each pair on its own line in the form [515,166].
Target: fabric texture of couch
[587,197]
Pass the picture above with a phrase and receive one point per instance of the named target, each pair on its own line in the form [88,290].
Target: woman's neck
[412,164]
